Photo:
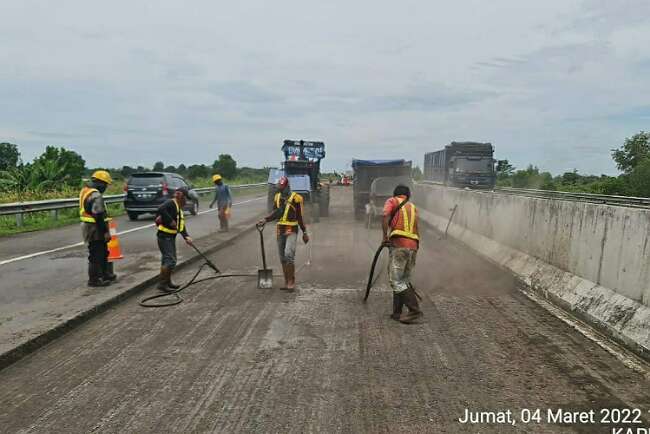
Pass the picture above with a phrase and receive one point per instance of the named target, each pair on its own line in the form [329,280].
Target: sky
[555,83]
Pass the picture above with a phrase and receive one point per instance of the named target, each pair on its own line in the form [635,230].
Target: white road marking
[139,228]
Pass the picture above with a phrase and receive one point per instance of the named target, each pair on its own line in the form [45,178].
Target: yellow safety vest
[407,228]
[293,198]
[180,222]
[83,215]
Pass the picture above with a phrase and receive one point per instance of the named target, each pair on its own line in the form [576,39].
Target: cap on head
[103,176]
[216,177]
[402,190]
[283,182]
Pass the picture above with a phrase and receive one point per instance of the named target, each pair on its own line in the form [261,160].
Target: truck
[301,166]
[366,171]
[462,164]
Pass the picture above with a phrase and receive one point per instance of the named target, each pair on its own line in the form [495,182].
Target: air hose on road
[177,298]
[175,293]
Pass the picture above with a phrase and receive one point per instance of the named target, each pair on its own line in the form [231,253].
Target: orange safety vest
[180,222]
[289,219]
[406,226]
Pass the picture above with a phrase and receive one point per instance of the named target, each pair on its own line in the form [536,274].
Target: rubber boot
[165,284]
[171,284]
[411,302]
[94,276]
[286,279]
[108,272]
[398,304]
[291,277]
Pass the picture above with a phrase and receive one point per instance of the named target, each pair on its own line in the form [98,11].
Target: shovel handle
[260,229]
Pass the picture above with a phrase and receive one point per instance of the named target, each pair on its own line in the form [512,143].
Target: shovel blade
[265,279]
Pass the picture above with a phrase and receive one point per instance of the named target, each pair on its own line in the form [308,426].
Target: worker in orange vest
[94,228]
[400,229]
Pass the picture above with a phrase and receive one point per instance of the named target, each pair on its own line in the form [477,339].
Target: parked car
[146,191]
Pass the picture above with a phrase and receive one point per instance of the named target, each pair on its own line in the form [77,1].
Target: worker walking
[94,228]
[400,229]
[223,198]
[171,222]
[287,209]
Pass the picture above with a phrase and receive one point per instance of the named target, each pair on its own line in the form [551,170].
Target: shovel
[265,275]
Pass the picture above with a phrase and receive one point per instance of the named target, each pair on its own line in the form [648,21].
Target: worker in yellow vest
[287,209]
[171,222]
[94,228]
[400,229]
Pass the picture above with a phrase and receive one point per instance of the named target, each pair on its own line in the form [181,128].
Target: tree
[159,166]
[170,169]
[181,169]
[69,165]
[127,171]
[570,178]
[505,168]
[639,179]
[226,166]
[9,156]
[634,150]
[198,171]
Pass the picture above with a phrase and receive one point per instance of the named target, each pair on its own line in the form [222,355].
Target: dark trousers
[97,258]
[167,247]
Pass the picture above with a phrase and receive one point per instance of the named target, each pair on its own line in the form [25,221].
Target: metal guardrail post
[19,219]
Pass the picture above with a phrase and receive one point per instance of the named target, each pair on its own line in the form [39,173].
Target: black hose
[178,299]
[372,270]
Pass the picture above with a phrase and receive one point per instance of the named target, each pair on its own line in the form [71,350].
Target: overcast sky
[557,83]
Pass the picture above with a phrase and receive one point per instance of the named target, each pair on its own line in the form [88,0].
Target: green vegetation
[58,173]
[632,158]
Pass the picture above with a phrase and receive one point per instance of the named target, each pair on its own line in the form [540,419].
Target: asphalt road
[233,358]
[36,290]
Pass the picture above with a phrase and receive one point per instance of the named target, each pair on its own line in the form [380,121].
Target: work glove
[189,241]
[107,236]
[305,238]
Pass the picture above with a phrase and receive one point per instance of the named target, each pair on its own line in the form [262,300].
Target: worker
[223,198]
[95,230]
[171,222]
[400,229]
[287,209]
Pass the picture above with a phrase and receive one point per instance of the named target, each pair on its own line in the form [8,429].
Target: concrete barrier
[592,260]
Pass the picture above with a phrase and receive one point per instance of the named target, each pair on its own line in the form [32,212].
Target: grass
[37,221]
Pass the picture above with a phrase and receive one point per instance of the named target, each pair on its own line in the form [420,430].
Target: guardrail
[629,201]
[19,209]
[605,199]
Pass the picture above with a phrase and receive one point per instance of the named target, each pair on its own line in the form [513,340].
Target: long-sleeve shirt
[222,196]
[94,205]
[170,218]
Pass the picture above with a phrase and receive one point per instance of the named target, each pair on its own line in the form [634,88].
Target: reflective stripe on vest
[180,222]
[285,217]
[83,215]
[408,224]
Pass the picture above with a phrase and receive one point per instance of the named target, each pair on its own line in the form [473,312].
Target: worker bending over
[171,222]
[400,228]
[223,198]
[94,228]
[287,209]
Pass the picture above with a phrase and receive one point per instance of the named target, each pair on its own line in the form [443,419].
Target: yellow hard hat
[216,177]
[102,175]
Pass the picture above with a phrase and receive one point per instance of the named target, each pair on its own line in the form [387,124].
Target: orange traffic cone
[114,250]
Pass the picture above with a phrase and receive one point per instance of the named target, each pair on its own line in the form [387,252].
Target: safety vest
[294,198]
[407,226]
[180,222]
[84,216]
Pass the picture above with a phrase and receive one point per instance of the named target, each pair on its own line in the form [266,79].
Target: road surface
[233,358]
[44,273]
